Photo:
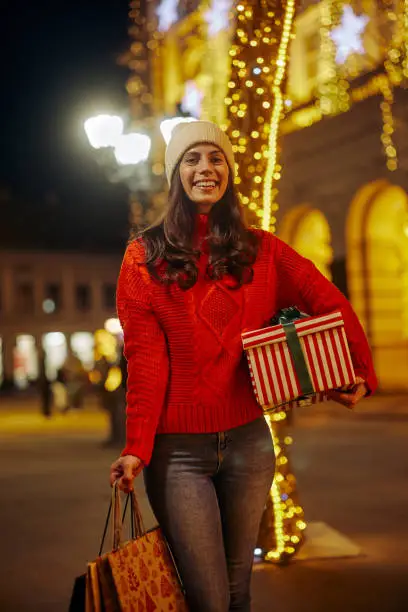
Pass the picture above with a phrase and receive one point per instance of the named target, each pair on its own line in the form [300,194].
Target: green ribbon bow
[286,317]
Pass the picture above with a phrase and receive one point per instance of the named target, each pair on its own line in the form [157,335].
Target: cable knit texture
[187,372]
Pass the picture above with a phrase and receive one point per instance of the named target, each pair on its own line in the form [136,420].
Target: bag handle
[136,520]
[105,529]
[114,513]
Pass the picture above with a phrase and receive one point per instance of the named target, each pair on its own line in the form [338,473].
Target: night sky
[59,66]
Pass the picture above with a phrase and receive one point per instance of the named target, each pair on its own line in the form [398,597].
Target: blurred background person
[109,377]
[44,384]
[73,377]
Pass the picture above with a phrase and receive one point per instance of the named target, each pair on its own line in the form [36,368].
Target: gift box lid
[304,327]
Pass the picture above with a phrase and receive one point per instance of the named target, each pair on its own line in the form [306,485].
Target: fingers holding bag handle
[124,470]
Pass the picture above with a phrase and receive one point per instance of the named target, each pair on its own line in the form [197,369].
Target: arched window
[377,270]
[306,230]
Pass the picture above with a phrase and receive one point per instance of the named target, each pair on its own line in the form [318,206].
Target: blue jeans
[208,493]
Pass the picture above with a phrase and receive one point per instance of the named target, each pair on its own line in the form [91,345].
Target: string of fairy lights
[333,87]
[336,94]
[255,99]
[288,515]
[272,172]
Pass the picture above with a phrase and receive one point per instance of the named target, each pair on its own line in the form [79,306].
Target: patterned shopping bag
[139,575]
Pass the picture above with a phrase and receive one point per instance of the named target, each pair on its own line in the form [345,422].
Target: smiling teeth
[205,184]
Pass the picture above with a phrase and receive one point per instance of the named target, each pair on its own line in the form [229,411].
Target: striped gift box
[274,371]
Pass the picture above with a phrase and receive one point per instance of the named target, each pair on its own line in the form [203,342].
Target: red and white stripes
[273,371]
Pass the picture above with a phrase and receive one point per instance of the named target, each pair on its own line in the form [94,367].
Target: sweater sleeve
[301,284]
[146,352]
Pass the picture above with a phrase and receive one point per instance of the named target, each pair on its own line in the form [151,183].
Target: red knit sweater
[187,372]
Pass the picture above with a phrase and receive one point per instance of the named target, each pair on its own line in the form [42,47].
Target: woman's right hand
[124,470]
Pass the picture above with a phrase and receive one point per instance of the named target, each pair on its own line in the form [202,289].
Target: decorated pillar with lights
[259,54]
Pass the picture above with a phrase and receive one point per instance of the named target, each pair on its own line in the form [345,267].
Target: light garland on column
[289,524]
[272,172]
[258,60]
[258,69]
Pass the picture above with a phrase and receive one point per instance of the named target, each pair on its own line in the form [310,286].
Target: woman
[187,289]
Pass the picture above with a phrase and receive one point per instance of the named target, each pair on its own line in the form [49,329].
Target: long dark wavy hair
[171,256]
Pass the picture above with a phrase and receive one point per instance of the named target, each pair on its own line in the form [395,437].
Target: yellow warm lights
[259,54]
[335,92]
[276,113]
[260,51]
[289,523]
[333,89]
[388,126]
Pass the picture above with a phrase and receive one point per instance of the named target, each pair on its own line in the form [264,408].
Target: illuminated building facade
[338,188]
[55,301]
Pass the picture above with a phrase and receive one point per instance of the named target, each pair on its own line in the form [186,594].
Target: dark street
[351,469]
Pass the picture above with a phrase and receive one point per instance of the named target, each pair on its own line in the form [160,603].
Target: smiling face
[204,175]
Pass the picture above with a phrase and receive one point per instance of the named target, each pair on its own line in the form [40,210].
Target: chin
[204,206]
[209,201]
[205,200]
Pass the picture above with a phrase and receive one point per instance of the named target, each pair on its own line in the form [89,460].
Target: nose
[204,166]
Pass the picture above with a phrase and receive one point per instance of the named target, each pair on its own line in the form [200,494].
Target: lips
[205,184]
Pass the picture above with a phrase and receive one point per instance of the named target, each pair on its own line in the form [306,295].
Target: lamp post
[124,157]
[106,131]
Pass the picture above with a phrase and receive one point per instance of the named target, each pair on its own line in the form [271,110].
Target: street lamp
[132,148]
[106,131]
[103,130]
[124,157]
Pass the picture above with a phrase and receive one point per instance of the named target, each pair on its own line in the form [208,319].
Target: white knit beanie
[187,134]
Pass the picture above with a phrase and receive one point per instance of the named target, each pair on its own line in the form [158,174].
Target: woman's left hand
[354,394]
